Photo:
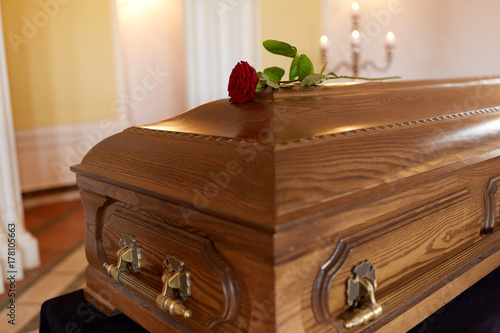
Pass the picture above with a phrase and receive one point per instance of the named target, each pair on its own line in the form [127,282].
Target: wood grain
[215,291]
[399,248]
[301,149]
[273,202]
[249,255]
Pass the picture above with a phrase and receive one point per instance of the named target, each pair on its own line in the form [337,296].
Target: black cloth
[476,310]
[72,313]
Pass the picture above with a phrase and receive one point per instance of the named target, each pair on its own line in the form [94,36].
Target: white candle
[355,9]
[390,39]
[355,37]
[324,42]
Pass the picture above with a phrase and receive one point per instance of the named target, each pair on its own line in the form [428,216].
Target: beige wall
[60,61]
[60,56]
[296,22]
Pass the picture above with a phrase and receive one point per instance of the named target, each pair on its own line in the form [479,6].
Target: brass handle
[129,258]
[176,288]
[361,296]
[176,278]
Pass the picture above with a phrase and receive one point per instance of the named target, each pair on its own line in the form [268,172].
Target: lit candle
[355,9]
[355,37]
[324,42]
[390,39]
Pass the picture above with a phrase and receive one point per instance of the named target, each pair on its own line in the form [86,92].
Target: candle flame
[355,34]
[390,35]
[323,39]
[355,5]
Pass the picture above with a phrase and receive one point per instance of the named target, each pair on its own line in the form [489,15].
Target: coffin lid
[290,152]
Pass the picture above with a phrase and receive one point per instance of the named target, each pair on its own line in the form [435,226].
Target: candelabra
[356,64]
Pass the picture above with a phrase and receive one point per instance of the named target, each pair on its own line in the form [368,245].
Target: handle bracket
[361,296]
[176,287]
[129,258]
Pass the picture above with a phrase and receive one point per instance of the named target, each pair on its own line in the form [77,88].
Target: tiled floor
[60,230]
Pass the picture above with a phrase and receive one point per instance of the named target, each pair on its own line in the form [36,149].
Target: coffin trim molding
[491,205]
[328,271]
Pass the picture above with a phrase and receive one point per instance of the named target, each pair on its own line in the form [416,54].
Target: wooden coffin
[342,208]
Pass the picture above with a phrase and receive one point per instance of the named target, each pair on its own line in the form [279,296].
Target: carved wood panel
[215,294]
[400,248]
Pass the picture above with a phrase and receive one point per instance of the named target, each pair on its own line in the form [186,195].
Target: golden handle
[173,306]
[176,288]
[129,258]
[369,309]
[361,296]
[175,278]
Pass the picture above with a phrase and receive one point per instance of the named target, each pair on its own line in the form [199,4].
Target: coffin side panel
[226,261]
[399,248]
[215,291]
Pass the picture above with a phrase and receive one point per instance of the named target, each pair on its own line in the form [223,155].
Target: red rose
[242,83]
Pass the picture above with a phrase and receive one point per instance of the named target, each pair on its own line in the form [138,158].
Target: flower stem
[286,82]
[362,78]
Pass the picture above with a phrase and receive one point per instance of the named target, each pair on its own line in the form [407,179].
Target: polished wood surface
[286,194]
[302,148]
[308,112]
[242,252]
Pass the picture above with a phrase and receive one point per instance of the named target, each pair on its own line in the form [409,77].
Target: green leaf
[305,67]
[274,73]
[260,85]
[269,82]
[323,68]
[281,48]
[313,80]
[260,75]
[294,68]
[332,74]
[262,82]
